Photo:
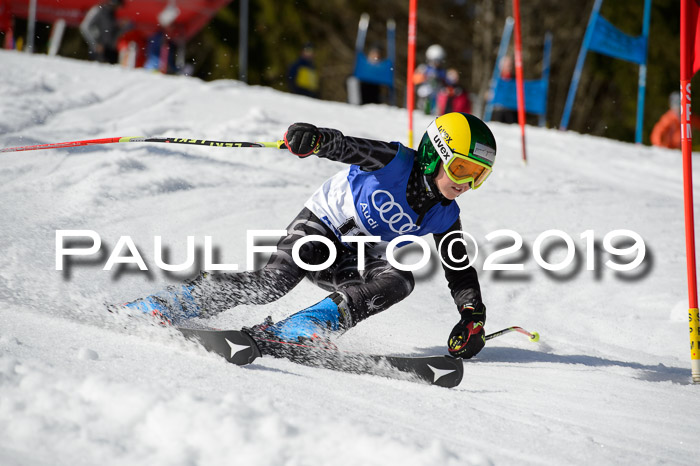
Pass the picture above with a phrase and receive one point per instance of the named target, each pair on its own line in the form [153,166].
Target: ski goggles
[460,168]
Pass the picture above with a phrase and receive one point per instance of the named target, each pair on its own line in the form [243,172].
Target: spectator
[500,113]
[667,131]
[371,92]
[101,30]
[453,97]
[160,53]
[302,76]
[506,68]
[429,78]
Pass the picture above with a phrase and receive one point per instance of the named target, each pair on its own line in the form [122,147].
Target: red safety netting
[143,14]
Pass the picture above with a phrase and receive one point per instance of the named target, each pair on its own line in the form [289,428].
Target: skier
[387,191]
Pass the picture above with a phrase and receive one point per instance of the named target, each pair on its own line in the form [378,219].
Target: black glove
[468,337]
[302,139]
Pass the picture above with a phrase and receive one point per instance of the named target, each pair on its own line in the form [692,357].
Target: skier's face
[447,187]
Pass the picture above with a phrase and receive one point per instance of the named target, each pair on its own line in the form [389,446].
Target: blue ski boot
[168,306]
[315,324]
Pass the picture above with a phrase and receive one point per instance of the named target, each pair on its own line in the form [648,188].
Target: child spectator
[453,97]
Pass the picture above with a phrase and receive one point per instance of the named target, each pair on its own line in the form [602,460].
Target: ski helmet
[463,143]
[435,53]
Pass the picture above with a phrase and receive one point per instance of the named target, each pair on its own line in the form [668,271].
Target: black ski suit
[374,290]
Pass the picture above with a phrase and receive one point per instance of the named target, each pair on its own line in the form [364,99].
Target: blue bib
[380,201]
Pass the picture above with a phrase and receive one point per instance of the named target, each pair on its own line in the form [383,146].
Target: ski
[235,346]
[238,347]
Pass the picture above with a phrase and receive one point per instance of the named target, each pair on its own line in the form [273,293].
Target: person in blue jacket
[387,190]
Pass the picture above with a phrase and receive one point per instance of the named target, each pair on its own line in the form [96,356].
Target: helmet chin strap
[434,191]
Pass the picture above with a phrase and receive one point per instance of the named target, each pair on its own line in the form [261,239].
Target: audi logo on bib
[392,213]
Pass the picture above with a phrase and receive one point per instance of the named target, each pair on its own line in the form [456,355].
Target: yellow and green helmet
[463,143]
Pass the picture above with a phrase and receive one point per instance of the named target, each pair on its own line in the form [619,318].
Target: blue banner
[376,73]
[503,91]
[610,41]
[604,38]
[535,95]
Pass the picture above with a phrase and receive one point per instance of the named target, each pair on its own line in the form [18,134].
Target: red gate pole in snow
[519,74]
[411,66]
[689,64]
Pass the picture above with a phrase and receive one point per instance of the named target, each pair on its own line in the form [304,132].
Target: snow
[608,383]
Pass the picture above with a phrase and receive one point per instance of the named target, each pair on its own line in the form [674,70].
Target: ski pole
[534,336]
[197,142]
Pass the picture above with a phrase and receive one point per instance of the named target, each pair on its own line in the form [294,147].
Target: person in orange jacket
[667,131]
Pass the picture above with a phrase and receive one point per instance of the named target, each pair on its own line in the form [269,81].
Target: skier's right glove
[468,337]
[302,139]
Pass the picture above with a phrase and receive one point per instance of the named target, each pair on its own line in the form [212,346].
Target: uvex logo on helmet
[444,134]
[440,145]
[439,139]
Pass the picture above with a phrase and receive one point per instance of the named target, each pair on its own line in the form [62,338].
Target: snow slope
[609,382]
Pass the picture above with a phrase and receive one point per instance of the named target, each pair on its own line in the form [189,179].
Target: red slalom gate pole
[689,25]
[411,66]
[519,75]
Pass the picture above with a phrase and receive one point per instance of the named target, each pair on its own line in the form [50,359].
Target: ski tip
[535,337]
[445,372]
[235,346]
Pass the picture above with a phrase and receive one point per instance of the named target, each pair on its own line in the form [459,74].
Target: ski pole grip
[277,144]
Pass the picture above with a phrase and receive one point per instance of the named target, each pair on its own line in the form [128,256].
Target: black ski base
[240,348]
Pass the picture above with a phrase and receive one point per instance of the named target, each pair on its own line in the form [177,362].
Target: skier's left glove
[302,139]
[468,336]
